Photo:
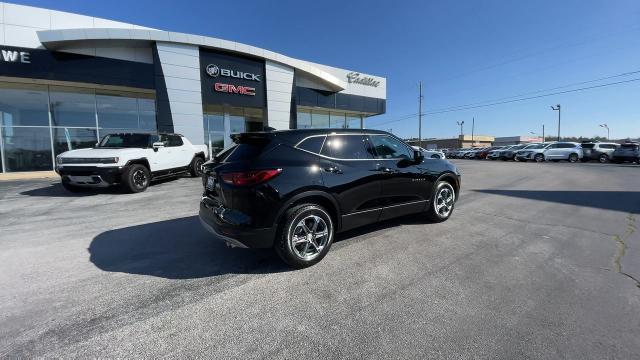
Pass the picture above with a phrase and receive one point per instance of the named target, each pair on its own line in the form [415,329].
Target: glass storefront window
[304,119]
[27,148]
[319,119]
[253,118]
[354,121]
[117,111]
[65,139]
[336,121]
[237,121]
[23,105]
[147,114]
[75,107]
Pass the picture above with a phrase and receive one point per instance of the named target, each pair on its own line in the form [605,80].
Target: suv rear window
[248,148]
[589,146]
[630,146]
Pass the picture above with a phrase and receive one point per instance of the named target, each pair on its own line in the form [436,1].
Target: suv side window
[388,147]
[312,144]
[174,141]
[565,146]
[347,147]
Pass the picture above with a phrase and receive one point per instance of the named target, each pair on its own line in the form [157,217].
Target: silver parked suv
[556,151]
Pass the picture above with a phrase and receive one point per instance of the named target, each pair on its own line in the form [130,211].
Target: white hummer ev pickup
[130,160]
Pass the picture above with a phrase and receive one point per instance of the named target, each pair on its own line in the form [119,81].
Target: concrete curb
[28,175]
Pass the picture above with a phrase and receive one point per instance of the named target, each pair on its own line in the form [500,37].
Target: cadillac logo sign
[213,70]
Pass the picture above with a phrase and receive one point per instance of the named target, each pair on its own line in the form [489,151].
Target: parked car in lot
[598,151]
[495,153]
[292,190]
[569,151]
[510,152]
[533,152]
[430,154]
[627,152]
[131,160]
[482,154]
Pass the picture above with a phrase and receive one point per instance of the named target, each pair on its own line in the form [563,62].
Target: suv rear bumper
[223,223]
[91,175]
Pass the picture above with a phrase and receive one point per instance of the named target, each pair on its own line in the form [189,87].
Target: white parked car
[430,154]
[131,160]
[555,151]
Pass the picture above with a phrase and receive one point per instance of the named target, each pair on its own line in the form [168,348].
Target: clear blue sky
[464,51]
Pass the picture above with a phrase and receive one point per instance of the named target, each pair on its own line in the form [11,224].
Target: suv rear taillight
[246,178]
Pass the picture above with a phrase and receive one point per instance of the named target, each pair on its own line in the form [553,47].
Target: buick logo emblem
[213,70]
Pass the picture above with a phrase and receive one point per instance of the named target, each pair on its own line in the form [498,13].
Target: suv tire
[136,178]
[604,158]
[443,201]
[538,158]
[305,236]
[573,158]
[195,168]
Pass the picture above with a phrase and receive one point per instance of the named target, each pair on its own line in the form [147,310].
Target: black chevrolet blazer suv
[294,189]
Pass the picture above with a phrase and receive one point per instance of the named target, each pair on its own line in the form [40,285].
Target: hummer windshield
[128,141]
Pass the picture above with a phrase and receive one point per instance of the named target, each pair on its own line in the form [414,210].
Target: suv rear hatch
[234,168]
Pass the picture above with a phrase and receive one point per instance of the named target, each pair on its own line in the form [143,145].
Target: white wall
[279,86]
[19,24]
[181,68]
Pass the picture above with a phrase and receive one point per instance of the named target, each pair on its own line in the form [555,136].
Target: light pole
[420,97]
[460,123]
[473,129]
[606,127]
[557,108]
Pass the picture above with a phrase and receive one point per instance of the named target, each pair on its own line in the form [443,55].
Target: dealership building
[66,80]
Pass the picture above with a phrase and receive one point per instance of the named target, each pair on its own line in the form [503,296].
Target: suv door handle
[333,169]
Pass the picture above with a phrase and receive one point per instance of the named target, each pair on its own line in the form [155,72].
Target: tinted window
[565,146]
[608,146]
[174,140]
[312,144]
[126,141]
[388,147]
[590,146]
[630,146]
[347,147]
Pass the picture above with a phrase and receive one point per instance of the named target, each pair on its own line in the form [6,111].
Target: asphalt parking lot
[537,261]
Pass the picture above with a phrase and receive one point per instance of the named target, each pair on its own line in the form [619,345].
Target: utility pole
[473,129]
[543,140]
[557,108]
[420,115]
[606,127]
[460,123]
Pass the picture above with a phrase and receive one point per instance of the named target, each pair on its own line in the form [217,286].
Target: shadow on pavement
[182,249]
[56,190]
[176,249]
[626,201]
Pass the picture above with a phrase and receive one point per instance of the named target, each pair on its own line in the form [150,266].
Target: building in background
[515,140]
[462,141]
[66,80]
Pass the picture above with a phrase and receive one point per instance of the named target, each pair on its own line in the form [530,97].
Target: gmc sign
[234,89]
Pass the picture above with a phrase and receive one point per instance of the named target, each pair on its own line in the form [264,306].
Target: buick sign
[213,71]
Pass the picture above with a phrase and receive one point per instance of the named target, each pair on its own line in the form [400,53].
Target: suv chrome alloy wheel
[445,200]
[309,237]
[140,178]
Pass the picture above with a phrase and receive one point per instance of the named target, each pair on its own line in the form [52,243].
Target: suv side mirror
[418,156]
[157,145]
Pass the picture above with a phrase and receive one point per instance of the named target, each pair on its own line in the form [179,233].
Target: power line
[471,106]
[536,97]
[542,90]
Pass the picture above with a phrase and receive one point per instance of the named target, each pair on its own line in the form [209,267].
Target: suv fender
[309,194]
[450,178]
[141,161]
